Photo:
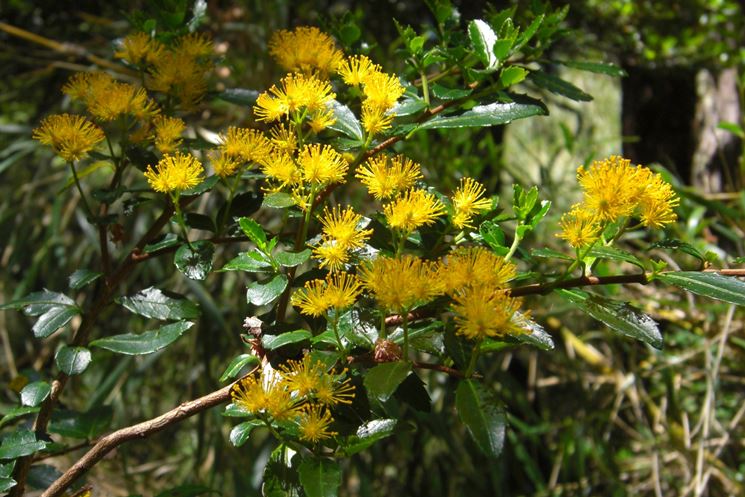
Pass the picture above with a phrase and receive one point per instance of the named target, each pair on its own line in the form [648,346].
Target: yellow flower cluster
[472,267]
[341,235]
[299,392]
[297,96]
[239,146]
[107,99]
[305,49]
[614,189]
[167,134]
[412,210]
[71,137]
[338,291]
[467,202]
[401,283]
[386,177]
[139,49]
[175,173]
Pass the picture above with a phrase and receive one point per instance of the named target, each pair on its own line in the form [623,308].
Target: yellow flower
[611,188]
[180,74]
[296,92]
[281,167]
[342,226]
[400,283]
[382,90]
[467,202]
[268,393]
[303,376]
[194,45]
[332,255]
[138,49]
[223,164]
[482,312]
[175,173]
[314,424]
[331,392]
[338,291]
[412,210]
[249,394]
[354,70]
[385,176]
[375,120]
[168,133]
[657,201]
[284,139]
[71,137]
[321,164]
[107,99]
[305,49]
[249,145]
[579,227]
[476,266]
[321,120]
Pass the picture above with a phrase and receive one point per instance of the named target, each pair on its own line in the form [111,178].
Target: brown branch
[140,430]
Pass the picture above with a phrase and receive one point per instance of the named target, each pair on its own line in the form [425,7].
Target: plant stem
[335,327]
[405,324]
[180,219]
[83,198]
[425,88]
[513,247]
[474,358]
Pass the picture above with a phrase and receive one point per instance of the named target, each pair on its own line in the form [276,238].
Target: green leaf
[346,122]
[559,86]
[550,254]
[240,96]
[169,240]
[489,115]
[6,482]
[512,76]
[202,187]
[320,477]
[252,262]
[83,425]
[483,415]
[54,319]
[369,433]
[37,303]
[619,316]
[17,412]
[443,93]
[263,293]
[236,411]
[195,262]
[72,360]
[240,433]
[278,200]
[615,254]
[686,248]
[493,235]
[271,342]
[144,343]
[707,284]
[529,32]
[536,335]
[292,259]
[83,277]
[34,393]
[483,38]
[20,443]
[236,366]
[382,380]
[253,231]
[596,67]
[41,476]
[409,106]
[202,222]
[154,303]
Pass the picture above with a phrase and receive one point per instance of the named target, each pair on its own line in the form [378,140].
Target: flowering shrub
[363,294]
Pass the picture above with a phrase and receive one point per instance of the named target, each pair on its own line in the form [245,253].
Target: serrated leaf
[382,380]
[615,254]
[279,200]
[240,433]
[264,293]
[34,393]
[292,259]
[253,231]
[686,248]
[512,75]
[83,277]
[72,360]
[83,425]
[489,115]
[444,93]
[619,316]
[559,86]
[483,38]
[529,32]
[550,253]
[236,366]
[596,67]
[37,303]
[195,262]
[251,262]
[483,415]
[239,96]
[493,235]
[369,433]
[54,319]
[346,121]
[143,343]
[153,303]
[320,477]
[20,443]
[271,342]
[707,284]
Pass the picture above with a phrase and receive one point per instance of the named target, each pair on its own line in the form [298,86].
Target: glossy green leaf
[536,335]
[292,259]
[54,319]
[236,411]
[252,262]
[493,235]
[169,240]
[686,248]
[17,412]
[82,425]
[34,393]
[615,254]
[72,360]
[239,96]
[443,93]
[512,75]
[271,342]
[240,433]
[619,316]
[707,284]
[154,303]
[195,262]
[41,476]
[83,277]
[37,303]
[143,343]
[483,415]
[278,200]
[237,365]
[529,32]
[550,254]
[265,293]
[346,122]
[6,482]
[197,221]
[596,67]
[482,38]
[20,443]
[253,231]
[319,477]
[382,380]
[489,115]
[369,433]
[409,106]
[559,86]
